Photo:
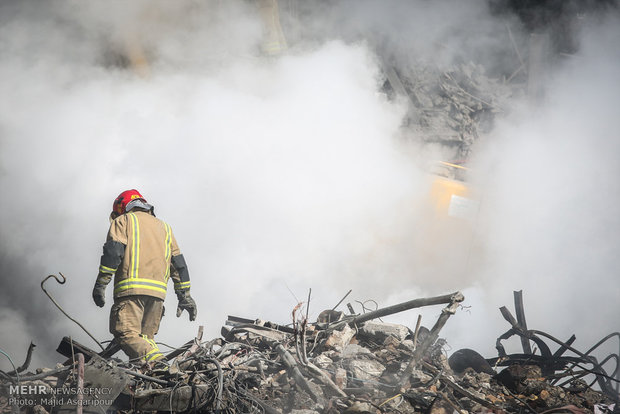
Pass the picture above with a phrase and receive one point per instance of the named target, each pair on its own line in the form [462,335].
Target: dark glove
[186,303]
[99,294]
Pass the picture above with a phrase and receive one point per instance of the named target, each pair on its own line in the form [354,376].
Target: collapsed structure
[341,363]
[450,108]
[347,363]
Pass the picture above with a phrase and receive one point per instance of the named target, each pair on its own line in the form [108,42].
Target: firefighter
[141,254]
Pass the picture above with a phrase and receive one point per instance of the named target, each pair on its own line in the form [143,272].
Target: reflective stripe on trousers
[134,321]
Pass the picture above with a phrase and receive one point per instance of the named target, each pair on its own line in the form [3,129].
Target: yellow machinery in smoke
[447,244]
[450,195]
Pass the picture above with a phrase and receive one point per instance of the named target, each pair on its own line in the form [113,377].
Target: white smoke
[549,175]
[272,173]
[289,174]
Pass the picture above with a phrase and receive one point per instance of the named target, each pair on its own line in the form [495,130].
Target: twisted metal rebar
[64,279]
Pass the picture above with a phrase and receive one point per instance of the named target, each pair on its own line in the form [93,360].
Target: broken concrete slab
[379,331]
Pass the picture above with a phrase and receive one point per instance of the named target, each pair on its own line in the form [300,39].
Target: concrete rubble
[342,363]
[453,107]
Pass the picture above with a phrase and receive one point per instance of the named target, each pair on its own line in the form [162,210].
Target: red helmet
[120,204]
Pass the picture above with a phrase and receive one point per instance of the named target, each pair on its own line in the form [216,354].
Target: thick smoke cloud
[406,32]
[279,175]
[550,187]
[268,171]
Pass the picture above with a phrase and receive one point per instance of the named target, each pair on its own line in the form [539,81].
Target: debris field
[341,363]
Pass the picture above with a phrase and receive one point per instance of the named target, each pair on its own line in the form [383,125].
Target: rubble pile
[451,107]
[341,363]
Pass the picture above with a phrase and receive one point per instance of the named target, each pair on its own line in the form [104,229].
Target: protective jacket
[142,254]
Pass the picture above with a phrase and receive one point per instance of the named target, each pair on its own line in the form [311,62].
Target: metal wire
[64,279]
[597,369]
[220,382]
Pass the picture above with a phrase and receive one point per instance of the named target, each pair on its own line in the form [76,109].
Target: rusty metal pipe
[80,382]
[455,297]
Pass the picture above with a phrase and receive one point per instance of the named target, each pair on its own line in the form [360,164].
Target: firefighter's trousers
[134,321]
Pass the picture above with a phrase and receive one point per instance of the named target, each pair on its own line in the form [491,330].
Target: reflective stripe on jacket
[149,246]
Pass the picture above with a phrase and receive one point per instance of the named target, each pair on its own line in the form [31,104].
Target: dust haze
[282,174]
